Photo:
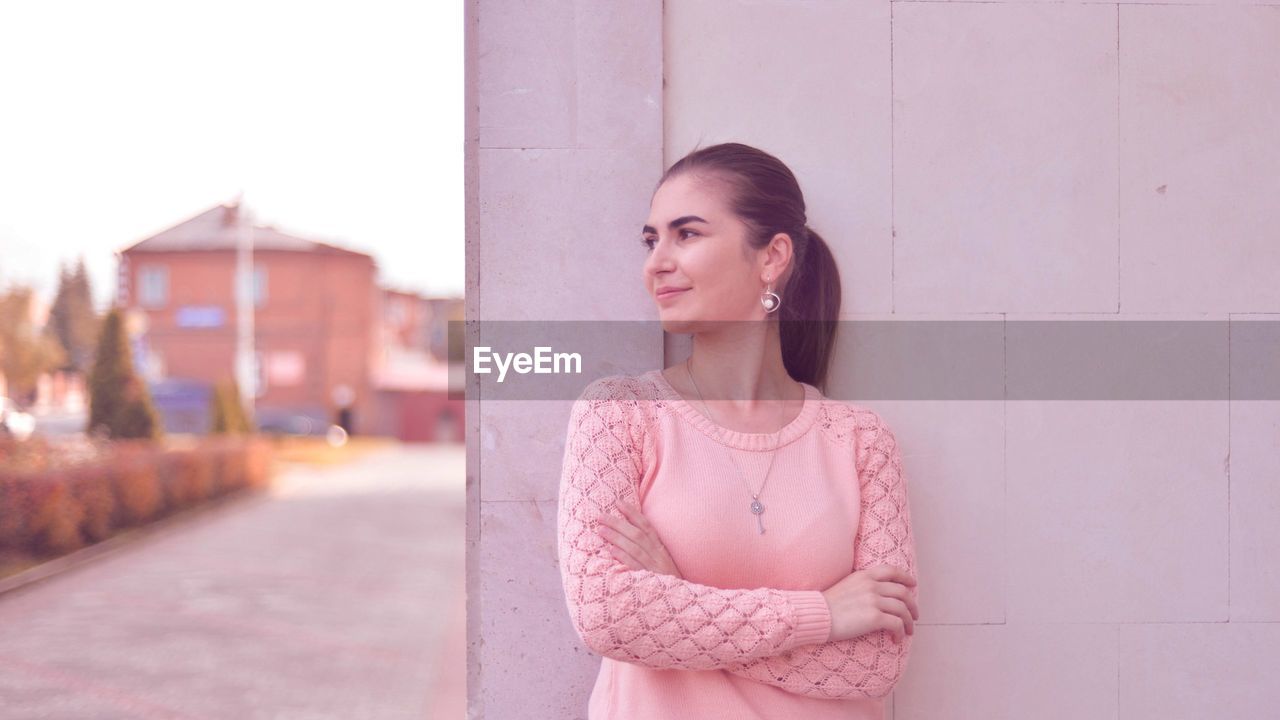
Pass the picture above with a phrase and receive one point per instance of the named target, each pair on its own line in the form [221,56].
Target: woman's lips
[670,294]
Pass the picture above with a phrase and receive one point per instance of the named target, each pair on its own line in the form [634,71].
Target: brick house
[316,311]
[412,378]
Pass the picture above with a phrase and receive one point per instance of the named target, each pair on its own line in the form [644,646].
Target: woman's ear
[777,256]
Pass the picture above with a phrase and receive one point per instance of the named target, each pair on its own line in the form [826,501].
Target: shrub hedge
[49,507]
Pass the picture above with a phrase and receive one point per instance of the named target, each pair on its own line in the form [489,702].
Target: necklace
[757,507]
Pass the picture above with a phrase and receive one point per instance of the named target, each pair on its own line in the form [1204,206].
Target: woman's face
[703,256]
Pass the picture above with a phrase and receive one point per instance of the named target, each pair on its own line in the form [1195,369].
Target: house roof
[218,229]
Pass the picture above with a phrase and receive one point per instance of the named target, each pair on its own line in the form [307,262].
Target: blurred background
[231,245]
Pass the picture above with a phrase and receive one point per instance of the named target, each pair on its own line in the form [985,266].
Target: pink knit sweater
[744,635]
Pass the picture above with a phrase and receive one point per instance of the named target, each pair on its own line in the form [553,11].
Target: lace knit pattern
[868,665]
[774,636]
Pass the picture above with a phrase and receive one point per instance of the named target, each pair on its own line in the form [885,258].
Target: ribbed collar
[742,440]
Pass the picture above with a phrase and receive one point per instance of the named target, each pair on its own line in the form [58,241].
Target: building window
[153,285]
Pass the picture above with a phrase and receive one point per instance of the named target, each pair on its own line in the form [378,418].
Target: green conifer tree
[218,411]
[119,403]
[228,415]
[240,417]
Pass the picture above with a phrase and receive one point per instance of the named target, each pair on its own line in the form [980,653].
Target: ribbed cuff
[813,617]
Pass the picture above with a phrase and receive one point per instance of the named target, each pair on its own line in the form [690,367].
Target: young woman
[732,542]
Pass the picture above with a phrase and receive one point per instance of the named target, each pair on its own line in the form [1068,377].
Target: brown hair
[765,195]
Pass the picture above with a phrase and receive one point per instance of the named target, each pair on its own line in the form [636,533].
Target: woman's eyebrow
[677,223]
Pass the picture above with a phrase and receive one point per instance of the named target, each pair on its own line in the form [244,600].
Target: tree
[219,423]
[227,408]
[137,418]
[72,319]
[119,403]
[25,353]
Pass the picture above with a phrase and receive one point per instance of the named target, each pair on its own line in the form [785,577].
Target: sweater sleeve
[639,616]
[867,666]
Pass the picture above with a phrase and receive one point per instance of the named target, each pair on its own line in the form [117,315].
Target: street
[338,594]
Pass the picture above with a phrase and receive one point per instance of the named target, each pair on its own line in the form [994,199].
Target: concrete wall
[564,146]
[984,160]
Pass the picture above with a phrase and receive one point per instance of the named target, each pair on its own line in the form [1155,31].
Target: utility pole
[246,377]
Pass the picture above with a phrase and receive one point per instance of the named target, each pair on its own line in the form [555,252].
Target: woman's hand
[873,599]
[635,543]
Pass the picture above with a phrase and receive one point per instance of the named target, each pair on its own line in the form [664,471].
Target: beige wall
[985,160]
[564,146]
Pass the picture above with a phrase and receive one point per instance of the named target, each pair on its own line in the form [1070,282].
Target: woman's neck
[741,378]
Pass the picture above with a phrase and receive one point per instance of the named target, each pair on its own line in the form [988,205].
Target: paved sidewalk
[336,596]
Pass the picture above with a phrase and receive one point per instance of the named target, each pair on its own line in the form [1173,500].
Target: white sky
[341,122]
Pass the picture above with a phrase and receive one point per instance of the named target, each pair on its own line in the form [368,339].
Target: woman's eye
[648,241]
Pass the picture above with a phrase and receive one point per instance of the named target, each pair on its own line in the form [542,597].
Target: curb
[131,538]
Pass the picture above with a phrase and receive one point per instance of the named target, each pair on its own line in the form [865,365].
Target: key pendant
[757,508]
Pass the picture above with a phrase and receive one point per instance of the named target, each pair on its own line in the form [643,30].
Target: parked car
[288,423]
[14,422]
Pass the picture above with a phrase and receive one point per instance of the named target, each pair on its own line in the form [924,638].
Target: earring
[769,299]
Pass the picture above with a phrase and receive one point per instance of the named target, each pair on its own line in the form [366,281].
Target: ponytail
[810,312]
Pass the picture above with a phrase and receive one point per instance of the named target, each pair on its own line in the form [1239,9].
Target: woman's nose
[651,265]
[659,258]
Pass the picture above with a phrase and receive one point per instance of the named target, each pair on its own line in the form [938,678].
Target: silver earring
[769,299]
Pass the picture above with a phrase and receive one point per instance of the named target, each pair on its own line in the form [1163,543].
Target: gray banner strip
[919,359]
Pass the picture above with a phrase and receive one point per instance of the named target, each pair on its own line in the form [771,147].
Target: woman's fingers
[636,517]
[619,525]
[895,581]
[628,538]
[637,536]
[624,558]
[899,591]
[892,573]
[899,617]
[625,508]
[635,520]
[624,528]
